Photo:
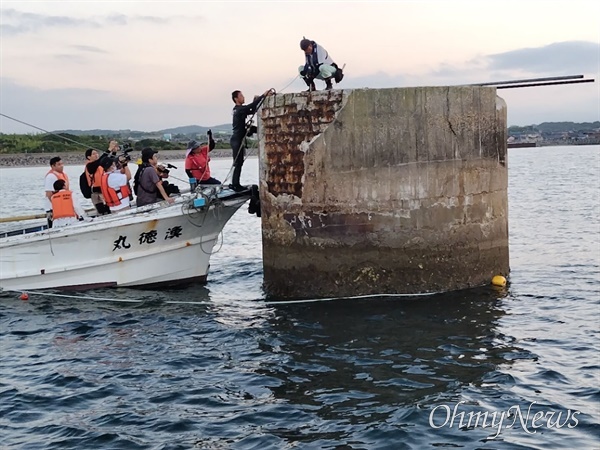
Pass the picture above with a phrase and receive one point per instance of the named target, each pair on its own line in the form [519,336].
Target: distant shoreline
[78,159]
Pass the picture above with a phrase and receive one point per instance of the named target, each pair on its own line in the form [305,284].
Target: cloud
[560,58]
[57,109]
[570,56]
[23,22]
[88,48]
[18,22]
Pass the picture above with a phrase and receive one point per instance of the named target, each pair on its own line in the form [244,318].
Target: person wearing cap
[196,161]
[240,130]
[147,184]
[318,65]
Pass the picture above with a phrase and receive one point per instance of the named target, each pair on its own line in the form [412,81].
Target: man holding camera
[92,177]
[115,182]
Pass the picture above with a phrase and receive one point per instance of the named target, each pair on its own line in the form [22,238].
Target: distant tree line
[555,127]
[66,142]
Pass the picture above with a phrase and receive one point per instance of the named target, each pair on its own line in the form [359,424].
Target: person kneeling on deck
[66,210]
[115,184]
[318,65]
[147,184]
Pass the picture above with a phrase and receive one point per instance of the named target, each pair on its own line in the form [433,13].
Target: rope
[50,132]
[266,302]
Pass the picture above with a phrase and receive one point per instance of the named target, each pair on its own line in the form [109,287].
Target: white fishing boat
[155,245]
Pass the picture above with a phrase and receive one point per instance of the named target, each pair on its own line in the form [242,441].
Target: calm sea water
[218,367]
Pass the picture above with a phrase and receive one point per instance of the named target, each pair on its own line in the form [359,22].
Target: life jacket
[95,180]
[61,176]
[112,196]
[62,205]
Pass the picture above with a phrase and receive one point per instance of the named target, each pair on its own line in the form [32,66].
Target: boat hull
[147,247]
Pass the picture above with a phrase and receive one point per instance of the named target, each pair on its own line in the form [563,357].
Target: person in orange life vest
[94,171]
[55,173]
[115,184]
[66,209]
[196,161]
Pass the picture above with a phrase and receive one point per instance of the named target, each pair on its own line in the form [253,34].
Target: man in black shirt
[240,131]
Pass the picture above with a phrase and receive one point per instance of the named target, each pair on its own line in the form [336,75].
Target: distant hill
[188,130]
[556,127]
[194,130]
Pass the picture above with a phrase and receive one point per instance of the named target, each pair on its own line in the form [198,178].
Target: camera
[125,149]
[162,170]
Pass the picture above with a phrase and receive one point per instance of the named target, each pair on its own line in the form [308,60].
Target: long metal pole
[530,80]
[544,84]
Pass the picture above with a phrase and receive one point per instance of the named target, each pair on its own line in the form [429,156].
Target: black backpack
[84,185]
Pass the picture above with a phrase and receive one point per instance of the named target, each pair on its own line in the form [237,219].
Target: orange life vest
[95,181]
[62,205]
[113,196]
[61,176]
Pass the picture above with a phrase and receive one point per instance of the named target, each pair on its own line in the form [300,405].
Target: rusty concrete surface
[383,191]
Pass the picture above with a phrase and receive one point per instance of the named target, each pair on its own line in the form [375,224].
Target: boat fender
[499,280]
[254,205]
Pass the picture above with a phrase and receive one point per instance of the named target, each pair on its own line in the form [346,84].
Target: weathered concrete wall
[383,191]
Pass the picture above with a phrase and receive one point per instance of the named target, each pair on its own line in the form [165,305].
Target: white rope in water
[178,302]
[103,299]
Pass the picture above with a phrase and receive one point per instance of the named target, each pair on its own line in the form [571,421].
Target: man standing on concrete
[241,130]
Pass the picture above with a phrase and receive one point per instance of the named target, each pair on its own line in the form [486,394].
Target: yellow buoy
[499,280]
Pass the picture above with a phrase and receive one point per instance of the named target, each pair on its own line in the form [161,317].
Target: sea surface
[220,367]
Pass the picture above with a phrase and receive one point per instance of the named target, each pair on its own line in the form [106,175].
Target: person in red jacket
[197,161]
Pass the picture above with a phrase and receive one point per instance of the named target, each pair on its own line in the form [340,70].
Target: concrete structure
[383,191]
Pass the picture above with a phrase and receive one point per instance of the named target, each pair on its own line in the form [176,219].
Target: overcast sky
[154,65]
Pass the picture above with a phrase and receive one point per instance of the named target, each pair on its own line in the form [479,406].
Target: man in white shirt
[55,173]
[115,184]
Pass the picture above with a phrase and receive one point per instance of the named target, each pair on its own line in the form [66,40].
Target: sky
[153,65]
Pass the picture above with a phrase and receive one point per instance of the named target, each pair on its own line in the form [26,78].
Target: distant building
[167,137]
